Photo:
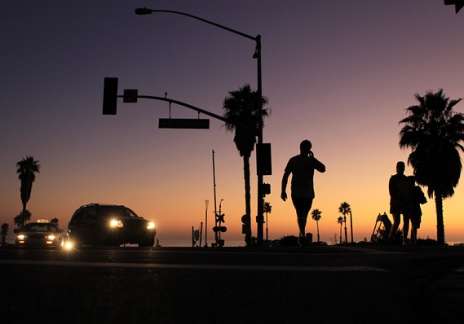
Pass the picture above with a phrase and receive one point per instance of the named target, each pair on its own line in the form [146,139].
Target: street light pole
[257,56]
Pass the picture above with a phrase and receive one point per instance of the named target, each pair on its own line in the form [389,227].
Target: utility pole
[214,189]
[206,223]
[201,233]
[351,226]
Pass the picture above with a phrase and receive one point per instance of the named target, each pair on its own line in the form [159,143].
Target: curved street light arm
[237,32]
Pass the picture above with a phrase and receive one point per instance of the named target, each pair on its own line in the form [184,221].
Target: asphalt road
[234,285]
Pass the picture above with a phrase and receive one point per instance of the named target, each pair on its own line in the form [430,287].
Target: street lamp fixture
[143,11]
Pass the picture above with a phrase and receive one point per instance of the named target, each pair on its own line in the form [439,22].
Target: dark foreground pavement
[312,285]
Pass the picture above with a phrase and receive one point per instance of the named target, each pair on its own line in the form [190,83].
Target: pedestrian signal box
[263,159]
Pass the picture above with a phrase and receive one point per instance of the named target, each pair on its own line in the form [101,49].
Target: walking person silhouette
[400,195]
[413,211]
[302,168]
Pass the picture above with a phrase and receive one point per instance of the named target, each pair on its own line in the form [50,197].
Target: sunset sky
[339,73]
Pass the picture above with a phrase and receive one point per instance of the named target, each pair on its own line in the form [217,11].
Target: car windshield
[122,212]
[131,214]
[39,227]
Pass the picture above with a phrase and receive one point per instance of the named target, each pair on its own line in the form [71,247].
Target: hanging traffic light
[458,4]
[110,96]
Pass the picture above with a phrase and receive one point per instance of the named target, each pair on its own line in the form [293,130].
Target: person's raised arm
[318,165]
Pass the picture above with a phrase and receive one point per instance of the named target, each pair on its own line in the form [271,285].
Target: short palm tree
[345,209]
[4,233]
[316,214]
[55,221]
[26,170]
[242,116]
[434,132]
[340,221]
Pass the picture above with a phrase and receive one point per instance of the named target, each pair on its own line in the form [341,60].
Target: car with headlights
[110,225]
[40,233]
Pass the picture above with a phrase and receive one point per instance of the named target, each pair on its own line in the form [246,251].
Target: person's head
[400,167]
[305,147]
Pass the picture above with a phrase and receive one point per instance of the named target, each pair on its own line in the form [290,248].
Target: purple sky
[338,72]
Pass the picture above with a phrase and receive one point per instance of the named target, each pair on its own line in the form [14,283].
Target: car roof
[102,205]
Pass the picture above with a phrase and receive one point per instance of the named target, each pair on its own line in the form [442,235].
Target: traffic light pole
[257,56]
[183,104]
[260,215]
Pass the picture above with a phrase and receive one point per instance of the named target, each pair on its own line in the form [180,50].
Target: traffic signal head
[263,159]
[110,96]
[221,229]
[130,95]
[266,189]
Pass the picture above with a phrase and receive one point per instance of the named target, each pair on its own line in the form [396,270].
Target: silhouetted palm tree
[345,209]
[242,116]
[434,131]
[55,221]
[23,217]
[316,214]
[26,170]
[5,228]
[340,221]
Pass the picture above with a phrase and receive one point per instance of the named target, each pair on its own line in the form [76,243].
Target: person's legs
[405,227]
[305,208]
[396,224]
[413,234]
[302,207]
[301,225]
[415,224]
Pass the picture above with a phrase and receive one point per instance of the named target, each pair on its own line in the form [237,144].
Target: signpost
[185,123]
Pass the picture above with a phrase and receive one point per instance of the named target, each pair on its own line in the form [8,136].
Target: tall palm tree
[26,170]
[242,116]
[340,221]
[434,133]
[345,209]
[316,214]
